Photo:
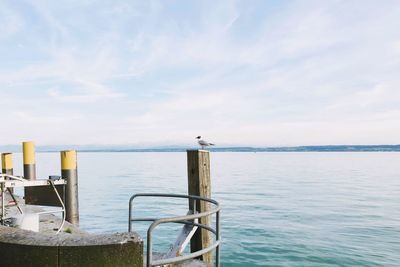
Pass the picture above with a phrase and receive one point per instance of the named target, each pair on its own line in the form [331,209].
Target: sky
[259,73]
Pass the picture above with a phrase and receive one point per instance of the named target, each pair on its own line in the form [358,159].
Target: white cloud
[307,73]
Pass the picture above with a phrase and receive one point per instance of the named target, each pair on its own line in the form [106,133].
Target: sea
[278,208]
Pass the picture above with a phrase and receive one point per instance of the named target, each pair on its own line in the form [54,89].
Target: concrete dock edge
[26,248]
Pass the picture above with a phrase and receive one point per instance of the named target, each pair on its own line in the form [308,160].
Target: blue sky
[265,73]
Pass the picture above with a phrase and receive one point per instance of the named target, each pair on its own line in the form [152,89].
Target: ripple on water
[278,209]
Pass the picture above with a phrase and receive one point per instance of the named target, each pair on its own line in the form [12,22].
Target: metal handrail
[186,219]
[19,178]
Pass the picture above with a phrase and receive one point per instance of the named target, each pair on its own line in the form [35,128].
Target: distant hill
[120,148]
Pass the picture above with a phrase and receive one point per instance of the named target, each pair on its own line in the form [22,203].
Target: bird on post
[203,143]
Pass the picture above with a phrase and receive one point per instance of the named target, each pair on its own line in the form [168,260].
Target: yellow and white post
[28,150]
[7,164]
[69,172]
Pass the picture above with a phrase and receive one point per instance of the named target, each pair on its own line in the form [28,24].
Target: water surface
[279,209]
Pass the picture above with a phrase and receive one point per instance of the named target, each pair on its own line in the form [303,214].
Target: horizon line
[181,148]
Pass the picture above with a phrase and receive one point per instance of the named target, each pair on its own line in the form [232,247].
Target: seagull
[203,143]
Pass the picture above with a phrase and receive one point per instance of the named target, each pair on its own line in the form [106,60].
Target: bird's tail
[211,144]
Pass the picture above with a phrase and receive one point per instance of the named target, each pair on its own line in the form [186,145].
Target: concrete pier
[71,247]
[26,248]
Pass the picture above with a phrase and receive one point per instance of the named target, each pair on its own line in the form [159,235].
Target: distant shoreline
[327,148]
[394,148]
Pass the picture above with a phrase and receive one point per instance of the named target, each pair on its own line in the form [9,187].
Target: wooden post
[199,184]
[70,173]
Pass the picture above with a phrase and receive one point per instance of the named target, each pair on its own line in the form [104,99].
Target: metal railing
[10,181]
[186,220]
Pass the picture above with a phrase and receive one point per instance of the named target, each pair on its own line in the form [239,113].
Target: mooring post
[199,184]
[69,172]
[28,150]
[7,165]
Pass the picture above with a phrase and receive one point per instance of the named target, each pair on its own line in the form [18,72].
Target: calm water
[279,209]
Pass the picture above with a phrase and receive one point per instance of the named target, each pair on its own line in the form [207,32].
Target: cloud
[93,94]
[253,73]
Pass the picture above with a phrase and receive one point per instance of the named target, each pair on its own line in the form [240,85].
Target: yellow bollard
[69,172]
[28,150]
[7,164]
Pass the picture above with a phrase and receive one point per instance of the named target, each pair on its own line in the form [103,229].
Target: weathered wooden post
[199,184]
[28,150]
[69,172]
[7,165]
